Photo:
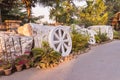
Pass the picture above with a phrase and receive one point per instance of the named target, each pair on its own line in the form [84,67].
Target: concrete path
[101,63]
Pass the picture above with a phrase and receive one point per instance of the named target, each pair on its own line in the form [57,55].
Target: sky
[40,10]
[44,11]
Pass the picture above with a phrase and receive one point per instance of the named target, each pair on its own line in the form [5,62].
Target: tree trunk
[29,13]
[0,17]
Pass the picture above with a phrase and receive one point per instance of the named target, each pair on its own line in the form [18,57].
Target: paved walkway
[101,63]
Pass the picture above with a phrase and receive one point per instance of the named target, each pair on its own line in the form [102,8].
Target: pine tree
[17,12]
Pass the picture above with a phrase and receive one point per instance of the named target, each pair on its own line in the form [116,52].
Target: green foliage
[6,65]
[101,37]
[45,56]
[94,14]
[97,38]
[113,6]
[23,59]
[16,13]
[37,53]
[116,34]
[8,6]
[49,58]
[63,12]
[79,41]
[18,61]
[1,62]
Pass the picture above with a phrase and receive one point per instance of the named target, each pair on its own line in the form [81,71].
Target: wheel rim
[60,41]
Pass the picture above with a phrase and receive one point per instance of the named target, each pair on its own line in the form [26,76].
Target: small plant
[101,37]
[79,41]
[50,58]
[97,38]
[19,61]
[26,61]
[6,65]
[116,34]
[45,56]
[1,63]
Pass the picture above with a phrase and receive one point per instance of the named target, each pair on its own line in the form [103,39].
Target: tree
[116,21]
[17,12]
[9,4]
[94,14]
[63,12]
[5,7]
[113,5]
[28,5]
[31,3]
[113,8]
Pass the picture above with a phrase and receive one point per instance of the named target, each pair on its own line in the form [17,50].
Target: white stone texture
[88,32]
[13,45]
[103,29]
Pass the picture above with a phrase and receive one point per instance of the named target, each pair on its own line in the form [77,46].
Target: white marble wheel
[91,34]
[92,40]
[60,40]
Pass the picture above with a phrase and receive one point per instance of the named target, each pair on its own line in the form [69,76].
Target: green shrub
[6,65]
[50,58]
[1,62]
[45,56]
[101,37]
[116,34]
[79,41]
[97,38]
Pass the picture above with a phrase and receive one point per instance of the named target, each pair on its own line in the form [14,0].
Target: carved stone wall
[13,45]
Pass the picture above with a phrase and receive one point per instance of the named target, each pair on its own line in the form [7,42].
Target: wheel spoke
[63,49]
[58,48]
[56,42]
[65,45]
[60,33]
[63,35]
[56,35]
[66,40]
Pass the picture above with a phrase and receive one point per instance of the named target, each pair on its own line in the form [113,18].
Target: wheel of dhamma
[60,40]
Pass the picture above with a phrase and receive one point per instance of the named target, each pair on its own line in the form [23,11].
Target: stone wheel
[92,40]
[60,40]
[91,37]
